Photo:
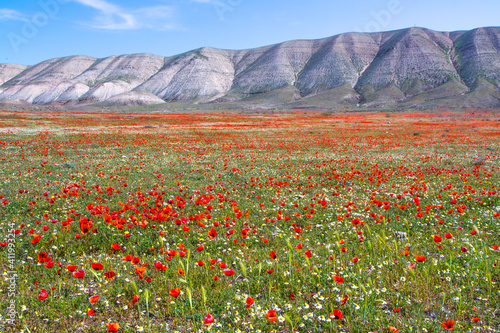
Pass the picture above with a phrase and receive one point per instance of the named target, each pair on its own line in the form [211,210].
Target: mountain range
[414,67]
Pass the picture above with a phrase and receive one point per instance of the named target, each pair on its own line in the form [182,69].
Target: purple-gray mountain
[403,68]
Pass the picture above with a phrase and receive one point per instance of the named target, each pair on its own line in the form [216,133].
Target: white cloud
[12,15]
[159,17]
[113,17]
[101,5]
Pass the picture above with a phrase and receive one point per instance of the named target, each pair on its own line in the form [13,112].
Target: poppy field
[268,222]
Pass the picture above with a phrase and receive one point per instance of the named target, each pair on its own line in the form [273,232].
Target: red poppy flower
[134,300]
[420,258]
[398,309]
[448,325]
[115,247]
[437,238]
[113,327]
[110,275]
[393,329]
[336,314]
[208,319]
[222,265]
[272,255]
[71,268]
[43,257]
[338,279]
[180,271]
[128,258]
[91,312]
[159,266]
[94,299]
[36,238]
[140,269]
[79,274]
[271,314]
[200,248]
[228,272]
[212,233]
[85,225]
[175,292]
[448,236]
[249,302]
[476,319]
[308,254]
[269,271]
[43,295]
[97,266]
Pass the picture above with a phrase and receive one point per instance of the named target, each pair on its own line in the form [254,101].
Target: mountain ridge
[382,69]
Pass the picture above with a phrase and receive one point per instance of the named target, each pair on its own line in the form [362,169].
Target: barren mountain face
[404,67]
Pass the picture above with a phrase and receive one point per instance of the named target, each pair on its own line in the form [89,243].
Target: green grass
[288,184]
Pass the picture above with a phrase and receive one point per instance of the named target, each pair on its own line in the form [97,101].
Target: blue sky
[37,30]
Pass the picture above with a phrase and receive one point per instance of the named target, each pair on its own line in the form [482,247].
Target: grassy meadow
[299,221]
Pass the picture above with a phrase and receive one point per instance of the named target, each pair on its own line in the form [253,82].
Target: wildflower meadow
[264,222]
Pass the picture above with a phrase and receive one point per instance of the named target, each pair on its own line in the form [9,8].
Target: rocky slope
[409,67]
